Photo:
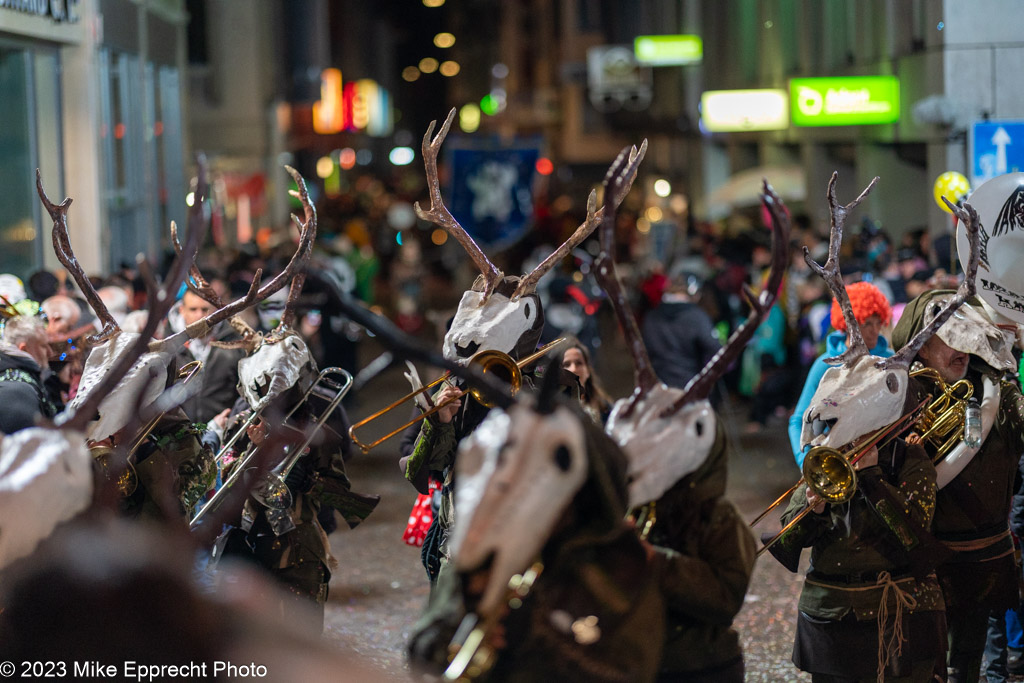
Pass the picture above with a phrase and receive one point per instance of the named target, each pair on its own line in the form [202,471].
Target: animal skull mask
[661,450]
[140,386]
[970,331]
[517,472]
[273,369]
[45,479]
[852,401]
[496,322]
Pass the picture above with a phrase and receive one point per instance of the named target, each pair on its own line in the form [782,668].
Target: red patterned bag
[421,516]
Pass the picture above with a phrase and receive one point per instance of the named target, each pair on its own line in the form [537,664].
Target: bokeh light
[401,156]
[443,40]
[544,166]
[410,73]
[469,117]
[439,237]
[449,68]
[347,158]
[662,187]
[428,65]
[324,166]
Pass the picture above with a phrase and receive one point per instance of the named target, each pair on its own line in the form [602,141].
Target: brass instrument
[830,472]
[490,362]
[942,421]
[128,479]
[469,653]
[272,491]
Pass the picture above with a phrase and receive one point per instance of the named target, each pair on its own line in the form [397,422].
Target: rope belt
[894,644]
[978,543]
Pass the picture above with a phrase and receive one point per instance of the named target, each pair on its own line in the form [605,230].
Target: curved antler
[972,224]
[161,298]
[616,182]
[309,213]
[529,282]
[855,346]
[701,385]
[439,214]
[202,327]
[66,255]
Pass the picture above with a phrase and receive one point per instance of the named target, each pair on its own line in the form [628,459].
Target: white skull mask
[273,369]
[517,474]
[970,331]
[140,386]
[853,400]
[661,451]
[45,479]
[498,323]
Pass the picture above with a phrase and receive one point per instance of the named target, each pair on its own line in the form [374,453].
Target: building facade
[93,99]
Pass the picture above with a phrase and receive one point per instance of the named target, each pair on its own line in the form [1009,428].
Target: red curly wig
[866,300]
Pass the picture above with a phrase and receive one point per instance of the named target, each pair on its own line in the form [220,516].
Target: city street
[380,586]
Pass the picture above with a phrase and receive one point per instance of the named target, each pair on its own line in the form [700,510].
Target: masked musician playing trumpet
[975,484]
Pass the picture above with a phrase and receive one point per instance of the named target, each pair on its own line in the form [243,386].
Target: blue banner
[492,193]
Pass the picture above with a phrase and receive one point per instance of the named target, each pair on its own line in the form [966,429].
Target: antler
[201,328]
[972,224]
[700,386]
[617,182]
[161,298]
[66,255]
[855,346]
[439,214]
[529,282]
[309,212]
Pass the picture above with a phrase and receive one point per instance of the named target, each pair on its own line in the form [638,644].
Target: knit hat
[866,300]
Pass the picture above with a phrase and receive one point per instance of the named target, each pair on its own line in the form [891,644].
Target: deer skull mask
[274,368]
[685,437]
[518,472]
[510,325]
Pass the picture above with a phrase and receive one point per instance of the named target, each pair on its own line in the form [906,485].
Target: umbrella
[744,188]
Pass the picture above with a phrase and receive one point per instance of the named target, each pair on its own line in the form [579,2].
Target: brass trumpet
[489,361]
[128,479]
[830,472]
[942,421]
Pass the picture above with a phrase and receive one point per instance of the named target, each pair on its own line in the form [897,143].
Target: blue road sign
[997,147]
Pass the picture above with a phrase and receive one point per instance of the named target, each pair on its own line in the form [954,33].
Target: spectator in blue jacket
[872,311]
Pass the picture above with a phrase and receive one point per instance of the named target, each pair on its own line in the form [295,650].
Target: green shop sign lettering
[61,11]
[849,101]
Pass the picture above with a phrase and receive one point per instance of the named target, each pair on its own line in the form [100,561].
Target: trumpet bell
[829,474]
[127,481]
[499,365]
[273,493]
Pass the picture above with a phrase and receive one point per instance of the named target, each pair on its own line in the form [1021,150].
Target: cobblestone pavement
[380,587]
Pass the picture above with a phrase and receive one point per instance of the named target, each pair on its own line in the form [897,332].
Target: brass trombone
[490,362]
[272,491]
[830,472]
[128,479]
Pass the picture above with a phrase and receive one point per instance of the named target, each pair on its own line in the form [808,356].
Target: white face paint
[140,386]
[273,369]
[496,324]
[45,479]
[970,331]
[517,473]
[661,451]
[852,401]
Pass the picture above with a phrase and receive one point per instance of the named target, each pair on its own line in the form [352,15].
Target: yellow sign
[725,111]
[670,50]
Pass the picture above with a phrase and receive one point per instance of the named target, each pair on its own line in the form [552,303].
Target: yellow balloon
[953,186]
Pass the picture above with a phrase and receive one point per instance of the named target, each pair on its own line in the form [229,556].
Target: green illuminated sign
[847,101]
[668,50]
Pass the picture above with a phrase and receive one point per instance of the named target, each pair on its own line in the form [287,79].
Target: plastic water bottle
[972,424]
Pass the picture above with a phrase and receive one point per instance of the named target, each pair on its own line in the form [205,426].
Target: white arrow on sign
[1001,139]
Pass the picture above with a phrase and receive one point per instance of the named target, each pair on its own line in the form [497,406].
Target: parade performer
[871,607]
[677,455]
[24,360]
[499,312]
[976,484]
[280,530]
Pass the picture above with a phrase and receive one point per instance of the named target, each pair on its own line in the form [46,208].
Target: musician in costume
[499,312]
[543,488]
[975,485]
